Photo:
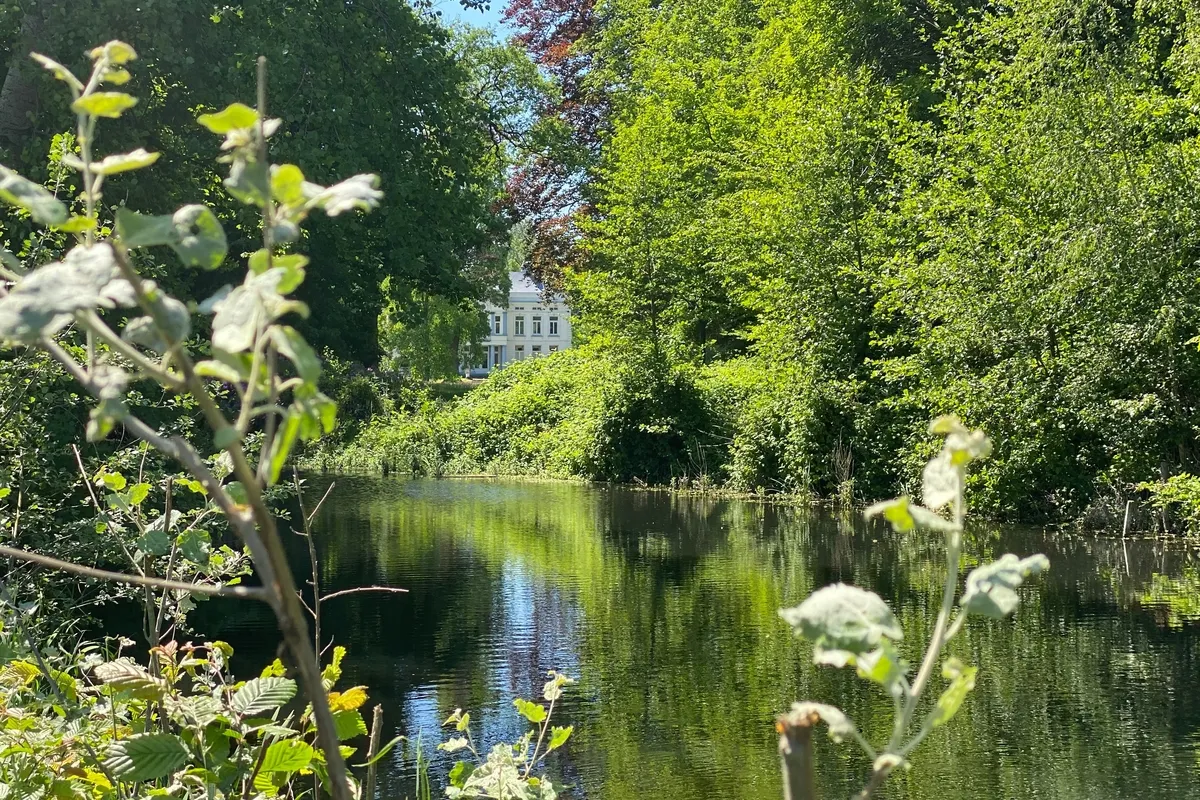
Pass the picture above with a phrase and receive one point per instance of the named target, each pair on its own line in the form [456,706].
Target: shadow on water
[665,609]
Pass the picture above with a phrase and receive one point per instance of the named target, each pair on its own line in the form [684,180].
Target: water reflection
[665,609]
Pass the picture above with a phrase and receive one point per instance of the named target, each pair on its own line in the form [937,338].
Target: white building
[531,326]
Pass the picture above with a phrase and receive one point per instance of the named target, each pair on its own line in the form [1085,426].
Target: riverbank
[731,429]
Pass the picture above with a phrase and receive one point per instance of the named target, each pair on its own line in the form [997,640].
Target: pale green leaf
[559,736]
[235,115]
[842,622]
[360,191]
[104,104]
[124,162]
[126,676]
[58,70]
[43,206]
[533,712]
[991,588]
[962,681]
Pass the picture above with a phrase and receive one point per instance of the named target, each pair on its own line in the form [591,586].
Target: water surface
[665,608]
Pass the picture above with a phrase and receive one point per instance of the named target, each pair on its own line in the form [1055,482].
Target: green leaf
[460,772]
[126,676]
[840,726]
[842,622]
[289,342]
[138,493]
[360,191]
[235,115]
[463,723]
[143,230]
[282,444]
[195,545]
[287,185]
[454,744]
[220,370]
[531,711]
[287,756]
[193,232]
[333,670]
[58,70]
[154,543]
[115,51]
[201,239]
[113,480]
[559,736]
[990,588]
[124,162]
[249,181]
[146,756]
[883,666]
[263,694]
[280,761]
[962,681]
[196,711]
[43,206]
[104,104]
[349,723]
[904,516]
[77,225]
[258,261]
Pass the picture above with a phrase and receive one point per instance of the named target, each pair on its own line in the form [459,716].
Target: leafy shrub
[1178,494]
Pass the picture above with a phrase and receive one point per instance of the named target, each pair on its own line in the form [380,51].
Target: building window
[496,324]
[553,348]
[537,326]
[497,355]
[554,326]
[519,326]
[520,352]
[537,350]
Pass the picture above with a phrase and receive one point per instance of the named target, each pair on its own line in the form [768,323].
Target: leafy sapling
[97,282]
[849,626]
[507,771]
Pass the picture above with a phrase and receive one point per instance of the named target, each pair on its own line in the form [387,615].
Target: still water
[664,609]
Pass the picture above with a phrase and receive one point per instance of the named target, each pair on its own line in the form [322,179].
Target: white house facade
[531,326]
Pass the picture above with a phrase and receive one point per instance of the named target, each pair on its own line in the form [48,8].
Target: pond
[665,610]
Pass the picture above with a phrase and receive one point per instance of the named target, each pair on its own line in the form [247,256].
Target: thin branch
[363,589]
[249,592]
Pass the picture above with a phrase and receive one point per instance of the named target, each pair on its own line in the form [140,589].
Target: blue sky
[452,11]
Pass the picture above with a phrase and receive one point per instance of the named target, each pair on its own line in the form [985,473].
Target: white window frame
[519,325]
[537,325]
[496,322]
[537,351]
[554,325]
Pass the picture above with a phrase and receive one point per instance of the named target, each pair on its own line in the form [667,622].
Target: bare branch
[363,589]
[249,592]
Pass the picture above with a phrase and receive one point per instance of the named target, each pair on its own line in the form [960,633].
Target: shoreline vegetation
[713,431]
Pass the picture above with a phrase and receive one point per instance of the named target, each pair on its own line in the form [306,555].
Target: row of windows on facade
[494,356]
[519,325]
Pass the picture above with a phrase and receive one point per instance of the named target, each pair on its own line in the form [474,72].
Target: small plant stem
[162,604]
[796,755]
[541,735]
[938,640]
[376,731]
[312,557]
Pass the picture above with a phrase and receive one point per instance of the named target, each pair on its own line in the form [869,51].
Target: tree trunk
[18,95]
